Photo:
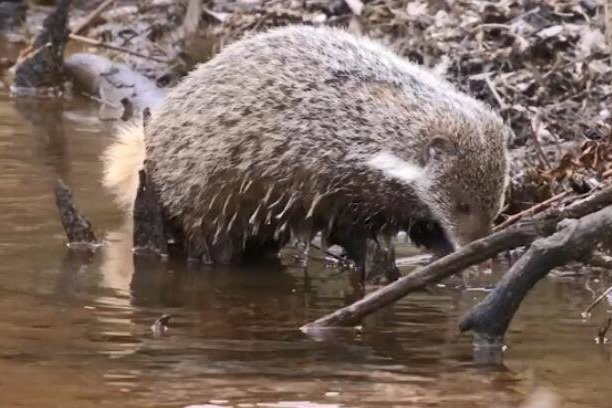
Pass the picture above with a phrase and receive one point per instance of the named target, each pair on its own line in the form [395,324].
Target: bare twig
[491,317]
[412,261]
[92,16]
[101,101]
[530,211]
[596,301]
[498,98]
[98,43]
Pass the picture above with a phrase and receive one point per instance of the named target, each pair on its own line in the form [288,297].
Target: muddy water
[76,333]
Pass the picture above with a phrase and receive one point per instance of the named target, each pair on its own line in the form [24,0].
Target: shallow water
[77,333]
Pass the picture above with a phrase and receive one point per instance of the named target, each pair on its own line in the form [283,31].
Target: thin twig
[412,261]
[601,333]
[596,301]
[525,14]
[486,26]
[101,44]
[101,101]
[92,16]
[498,98]
[531,211]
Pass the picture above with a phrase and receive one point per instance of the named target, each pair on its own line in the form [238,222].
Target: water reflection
[79,324]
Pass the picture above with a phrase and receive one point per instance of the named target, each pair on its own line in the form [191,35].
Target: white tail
[122,161]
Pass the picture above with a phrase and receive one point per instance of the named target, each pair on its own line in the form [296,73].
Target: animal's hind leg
[371,257]
[380,260]
[354,245]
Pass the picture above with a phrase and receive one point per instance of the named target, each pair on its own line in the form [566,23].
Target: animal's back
[262,132]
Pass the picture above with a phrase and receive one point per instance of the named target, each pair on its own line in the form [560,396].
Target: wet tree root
[78,228]
[521,234]
[574,241]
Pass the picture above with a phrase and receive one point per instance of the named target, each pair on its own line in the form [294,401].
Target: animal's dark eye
[463,208]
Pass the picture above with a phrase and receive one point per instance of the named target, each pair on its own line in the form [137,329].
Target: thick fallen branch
[78,229]
[520,234]
[596,301]
[576,238]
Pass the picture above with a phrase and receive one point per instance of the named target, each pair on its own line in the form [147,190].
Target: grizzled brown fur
[275,138]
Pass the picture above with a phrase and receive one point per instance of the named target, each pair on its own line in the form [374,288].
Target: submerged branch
[596,301]
[78,228]
[491,317]
[520,234]
[149,231]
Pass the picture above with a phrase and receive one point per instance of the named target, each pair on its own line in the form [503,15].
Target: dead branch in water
[596,301]
[78,229]
[520,234]
[98,43]
[601,333]
[81,25]
[574,241]
[149,231]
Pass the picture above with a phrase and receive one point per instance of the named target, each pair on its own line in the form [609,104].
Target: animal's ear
[438,148]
